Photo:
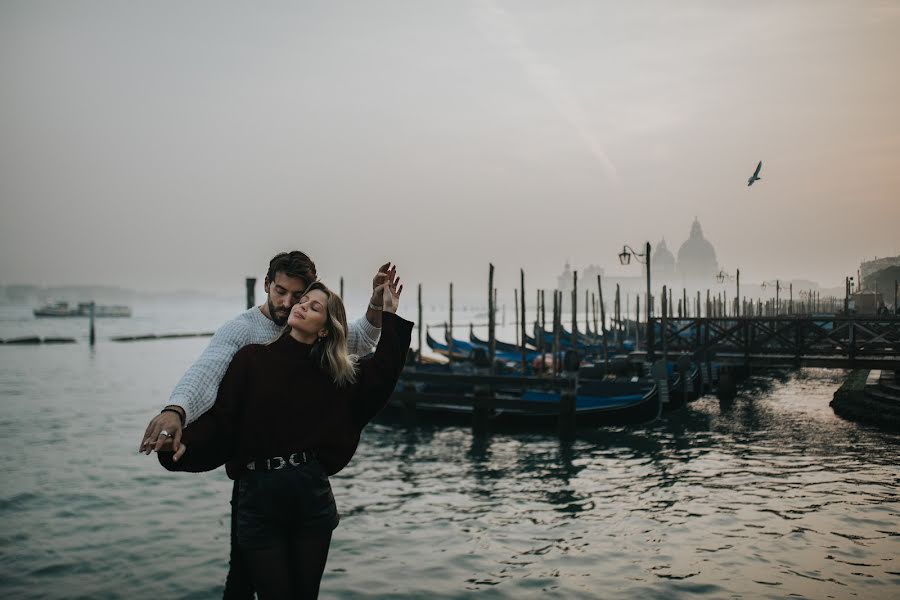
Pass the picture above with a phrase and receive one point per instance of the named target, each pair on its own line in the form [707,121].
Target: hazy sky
[180,144]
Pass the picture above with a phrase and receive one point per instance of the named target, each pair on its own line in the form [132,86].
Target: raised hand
[381,276]
[390,292]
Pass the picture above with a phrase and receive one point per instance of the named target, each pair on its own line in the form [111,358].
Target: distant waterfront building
[695,267]
[697,258]
[870,267]
[586,277]
[662,261]
[564,281]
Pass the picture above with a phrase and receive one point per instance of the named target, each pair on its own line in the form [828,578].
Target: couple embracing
[280,398]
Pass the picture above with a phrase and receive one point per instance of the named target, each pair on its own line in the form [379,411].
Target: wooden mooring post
[574,310]
[251,292]
[664,325]
[566,424]
[543,340]
[516,307]
[522,320]
[556,304]
[481,412]
[450,341]
[603,326]
[618,317]
[421,324]
[92,336]
[637,320]
[491,297]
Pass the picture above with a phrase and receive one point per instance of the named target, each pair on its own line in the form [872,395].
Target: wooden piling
[450,341]
[603,325]
[665,321]
[543,340]
[566,425]
[251,292]
[522,322]
[92,336]
[409,406]
[777,296]
[421,321]
[574,310]
[637,318]
[494,341]
[491,316]
[516,306]
[555,347]
[618,319]
[480,411]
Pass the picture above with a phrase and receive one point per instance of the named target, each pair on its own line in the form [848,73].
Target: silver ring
[165,433]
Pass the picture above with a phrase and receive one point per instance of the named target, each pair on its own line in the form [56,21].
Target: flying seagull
[756,176]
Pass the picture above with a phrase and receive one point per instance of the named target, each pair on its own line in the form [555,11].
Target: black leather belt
[275,463]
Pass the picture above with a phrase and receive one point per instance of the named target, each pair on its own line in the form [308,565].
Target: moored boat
[82,309]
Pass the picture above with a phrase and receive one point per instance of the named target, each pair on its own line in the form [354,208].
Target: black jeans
[238,585]
[280,532]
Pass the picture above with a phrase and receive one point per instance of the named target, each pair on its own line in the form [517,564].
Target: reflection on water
[770,495]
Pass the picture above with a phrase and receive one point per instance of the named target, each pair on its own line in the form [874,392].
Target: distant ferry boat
[62,309]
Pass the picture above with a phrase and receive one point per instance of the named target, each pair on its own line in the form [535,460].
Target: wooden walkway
[808,340]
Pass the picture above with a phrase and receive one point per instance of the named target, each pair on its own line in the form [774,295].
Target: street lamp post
[722,277]
[625,259]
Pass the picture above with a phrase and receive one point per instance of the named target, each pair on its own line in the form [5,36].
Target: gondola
[504,347]
[620,402]
[444,349]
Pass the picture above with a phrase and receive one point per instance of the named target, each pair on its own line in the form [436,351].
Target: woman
[288,414]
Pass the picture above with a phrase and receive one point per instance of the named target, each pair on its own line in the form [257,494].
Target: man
[288,276]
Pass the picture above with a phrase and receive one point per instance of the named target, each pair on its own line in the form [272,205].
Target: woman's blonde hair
[331,352]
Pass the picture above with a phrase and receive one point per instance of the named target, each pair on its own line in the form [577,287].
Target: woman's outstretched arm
[378,376]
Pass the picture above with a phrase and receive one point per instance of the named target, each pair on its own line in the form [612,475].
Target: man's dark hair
[292,264]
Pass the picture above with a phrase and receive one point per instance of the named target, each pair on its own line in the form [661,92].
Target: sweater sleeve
[378,375]
[212,438]
[362,336]
[196,392]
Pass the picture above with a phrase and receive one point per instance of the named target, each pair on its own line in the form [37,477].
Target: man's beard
[279,318]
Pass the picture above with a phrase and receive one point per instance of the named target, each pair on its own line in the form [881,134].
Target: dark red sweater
[273,401]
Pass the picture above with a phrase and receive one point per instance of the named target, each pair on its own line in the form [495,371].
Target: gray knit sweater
[196,392]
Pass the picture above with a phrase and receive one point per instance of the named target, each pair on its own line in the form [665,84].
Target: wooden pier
[825,341]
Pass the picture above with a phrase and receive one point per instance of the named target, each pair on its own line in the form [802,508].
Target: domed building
[662,261]
[697,258]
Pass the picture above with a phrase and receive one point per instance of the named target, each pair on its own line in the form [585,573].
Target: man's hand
[390,292]
[154,439]
[385,278]
[381,277]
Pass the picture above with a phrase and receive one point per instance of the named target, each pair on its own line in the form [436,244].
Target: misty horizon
[178,147]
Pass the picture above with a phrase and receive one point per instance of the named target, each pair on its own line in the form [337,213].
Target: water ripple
[767,496]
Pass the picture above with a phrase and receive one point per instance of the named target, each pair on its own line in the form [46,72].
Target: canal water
[769,495]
